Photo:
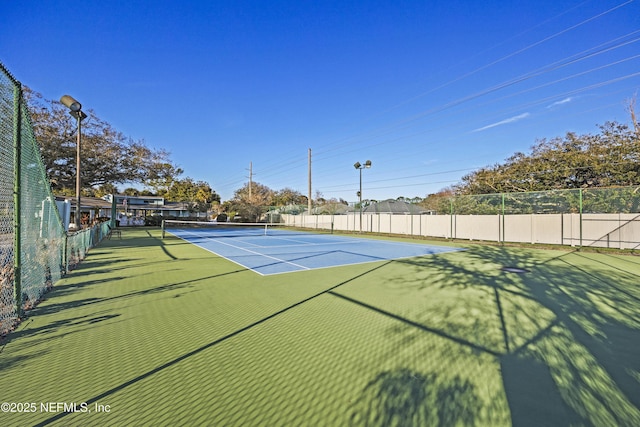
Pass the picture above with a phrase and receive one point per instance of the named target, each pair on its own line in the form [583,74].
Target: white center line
[218,240]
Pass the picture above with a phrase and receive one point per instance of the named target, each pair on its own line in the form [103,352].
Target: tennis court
[267,249]
[152,331]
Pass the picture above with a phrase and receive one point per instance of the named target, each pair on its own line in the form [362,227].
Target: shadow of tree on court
[403,397]
[7,361]
[566,333]
[172,287]
[47,332]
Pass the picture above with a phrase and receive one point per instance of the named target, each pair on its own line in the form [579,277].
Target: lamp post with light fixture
[75,109]
[358,166]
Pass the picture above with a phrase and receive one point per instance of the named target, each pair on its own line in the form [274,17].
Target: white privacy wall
[620,231]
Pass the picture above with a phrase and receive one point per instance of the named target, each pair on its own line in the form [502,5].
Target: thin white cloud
[564,101]
[504,122]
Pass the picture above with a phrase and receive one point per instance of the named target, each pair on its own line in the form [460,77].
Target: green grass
[169,334]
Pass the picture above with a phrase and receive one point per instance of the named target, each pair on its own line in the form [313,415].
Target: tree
[250,202]
[107,156]
[198,194]
[106,189]
[610,157]
[288,196]
[439,202]
[162,177]
[319,197]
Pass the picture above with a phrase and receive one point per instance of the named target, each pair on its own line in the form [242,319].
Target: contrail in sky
[504,122]
[564,101]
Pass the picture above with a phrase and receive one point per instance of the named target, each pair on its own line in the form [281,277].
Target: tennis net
[231,229]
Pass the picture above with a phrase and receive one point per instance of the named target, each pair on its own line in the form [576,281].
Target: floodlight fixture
[71,103]
[75,109]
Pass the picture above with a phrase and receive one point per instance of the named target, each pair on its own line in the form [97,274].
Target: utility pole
[309,195]
[250,179]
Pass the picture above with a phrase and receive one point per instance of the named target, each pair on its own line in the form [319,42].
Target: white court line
[348,239]
[216,253]
[300,244]
[243,249]
[275,237]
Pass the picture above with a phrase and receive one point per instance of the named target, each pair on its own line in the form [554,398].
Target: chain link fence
[587,200]
[35,250]
[7,307]
[598,217]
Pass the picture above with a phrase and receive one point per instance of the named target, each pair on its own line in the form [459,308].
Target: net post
[162,228]
[265,228]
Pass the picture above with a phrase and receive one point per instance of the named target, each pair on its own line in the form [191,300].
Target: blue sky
[428,91]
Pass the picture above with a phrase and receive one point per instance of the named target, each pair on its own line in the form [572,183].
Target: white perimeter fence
[620,231]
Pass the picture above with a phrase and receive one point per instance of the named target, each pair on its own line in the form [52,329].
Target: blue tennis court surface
[286,251]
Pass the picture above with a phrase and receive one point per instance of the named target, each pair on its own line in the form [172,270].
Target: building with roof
[134,210]
[130,210]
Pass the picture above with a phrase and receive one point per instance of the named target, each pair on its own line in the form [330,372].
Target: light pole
[358,166]
[75,109]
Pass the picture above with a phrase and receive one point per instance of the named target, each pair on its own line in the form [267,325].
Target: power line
[365,140]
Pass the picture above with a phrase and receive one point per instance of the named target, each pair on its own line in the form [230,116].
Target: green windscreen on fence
[587,200]
[561,201]
[35,249]
[42,233]
[611,200]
